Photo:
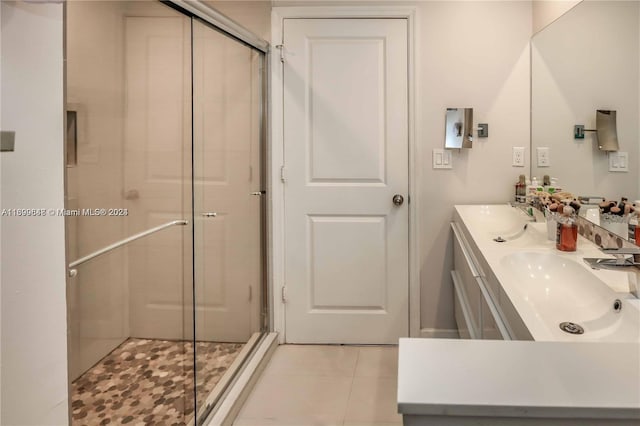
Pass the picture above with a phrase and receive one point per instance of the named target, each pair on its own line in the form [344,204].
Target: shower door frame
[195,8]
[220,21]
[261,344]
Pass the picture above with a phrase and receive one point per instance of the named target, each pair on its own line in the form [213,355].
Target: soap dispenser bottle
[521,189]
[567,231]
[533,188]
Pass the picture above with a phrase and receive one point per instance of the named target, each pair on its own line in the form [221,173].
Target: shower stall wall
[164,180]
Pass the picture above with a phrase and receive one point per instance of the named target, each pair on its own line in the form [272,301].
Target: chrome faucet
[625,260]
[526,208]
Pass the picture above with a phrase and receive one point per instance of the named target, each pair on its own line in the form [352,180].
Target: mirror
[458,128]
[606,130]
[588,60]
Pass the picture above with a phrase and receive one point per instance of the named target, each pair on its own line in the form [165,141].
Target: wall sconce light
[459,128]
[606,130]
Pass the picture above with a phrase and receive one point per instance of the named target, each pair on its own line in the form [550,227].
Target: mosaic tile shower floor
[149,382]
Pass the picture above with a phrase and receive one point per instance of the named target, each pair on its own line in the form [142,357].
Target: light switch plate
[518,156]
[442,159]
[543,157]
[618,161]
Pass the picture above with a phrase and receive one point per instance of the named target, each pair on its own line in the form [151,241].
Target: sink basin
[495,220]
[560,290]
[498,219]
[492,221]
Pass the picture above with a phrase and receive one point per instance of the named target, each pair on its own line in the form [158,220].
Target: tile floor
[306,385]
[149,382]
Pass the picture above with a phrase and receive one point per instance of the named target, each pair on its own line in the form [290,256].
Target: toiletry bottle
[555,185]
[533,188]
[567,234]
[633,224]
[521,189]
[551,188]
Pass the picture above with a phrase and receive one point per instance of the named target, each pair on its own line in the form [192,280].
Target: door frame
[276,151]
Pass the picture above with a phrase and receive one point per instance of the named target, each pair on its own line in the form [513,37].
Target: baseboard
[439,333]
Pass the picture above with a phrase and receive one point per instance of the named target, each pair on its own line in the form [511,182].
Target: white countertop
[483,223]
[595,375]
[519,378]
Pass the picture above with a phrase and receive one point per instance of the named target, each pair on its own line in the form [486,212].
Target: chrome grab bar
[73,272]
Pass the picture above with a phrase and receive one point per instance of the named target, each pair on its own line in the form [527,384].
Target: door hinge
[280,47]
[284,294]
[283,174]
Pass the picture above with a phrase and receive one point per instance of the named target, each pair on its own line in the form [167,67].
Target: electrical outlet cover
[543,157]
[518,156]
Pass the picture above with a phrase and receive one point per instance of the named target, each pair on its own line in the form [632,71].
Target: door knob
[398,199]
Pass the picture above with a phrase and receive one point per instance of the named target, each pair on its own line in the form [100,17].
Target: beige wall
[481,62]
[34,334]
[547,11]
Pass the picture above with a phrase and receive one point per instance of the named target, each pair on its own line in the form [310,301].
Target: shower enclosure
[164,210]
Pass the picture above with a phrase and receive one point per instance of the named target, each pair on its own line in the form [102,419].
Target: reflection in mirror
[588,60]
[606,130]
[458,128]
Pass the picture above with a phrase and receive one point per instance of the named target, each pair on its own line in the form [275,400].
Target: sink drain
[571,328]
[617,305]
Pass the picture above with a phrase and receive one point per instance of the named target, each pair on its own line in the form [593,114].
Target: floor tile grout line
[353,378]
[359,357]
[309,374]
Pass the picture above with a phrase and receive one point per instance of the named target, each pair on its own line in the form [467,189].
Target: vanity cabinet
[475,306]
[467,293]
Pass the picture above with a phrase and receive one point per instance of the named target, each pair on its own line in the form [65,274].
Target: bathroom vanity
[544,338]
[523,288]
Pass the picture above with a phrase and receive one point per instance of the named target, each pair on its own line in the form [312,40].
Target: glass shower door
[167,114]
[128,75]
[228,205]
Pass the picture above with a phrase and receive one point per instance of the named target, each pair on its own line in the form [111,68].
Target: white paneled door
[346,158]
